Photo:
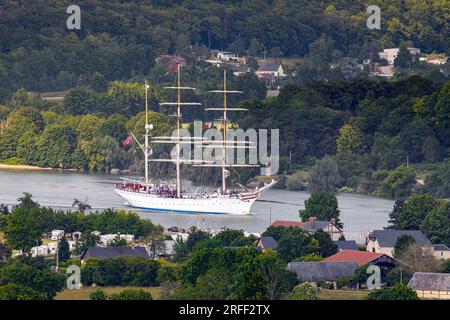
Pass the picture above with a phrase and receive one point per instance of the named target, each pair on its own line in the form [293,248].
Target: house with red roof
[362,258]
[385,262]
[285,223]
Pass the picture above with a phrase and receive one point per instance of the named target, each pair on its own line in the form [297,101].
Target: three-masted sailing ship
[165,197]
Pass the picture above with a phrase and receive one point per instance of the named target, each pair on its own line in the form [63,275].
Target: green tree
[304,291]
[415,211]
[325,175]
[131,294]
[63,250]
[323,206]
[436,225]
[403,242]
[80,100]
[350,140]
[397,292]
[326,246]
[98,294]
[118,242]
[395,213]
[399,182]
[404,58]
[23,230]
[17,292]
[88,127]
[36,277]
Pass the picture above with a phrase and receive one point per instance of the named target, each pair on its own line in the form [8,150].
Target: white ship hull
[212,205]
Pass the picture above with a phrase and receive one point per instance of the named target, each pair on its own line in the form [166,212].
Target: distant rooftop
[269,67]
[346,245]
[360,257]
[388,238]
[324,270]
[430,281]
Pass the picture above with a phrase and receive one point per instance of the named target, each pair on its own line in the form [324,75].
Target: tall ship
[169,197]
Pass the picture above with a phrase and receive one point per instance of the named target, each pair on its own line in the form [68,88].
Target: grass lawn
[83,293]
[342,295]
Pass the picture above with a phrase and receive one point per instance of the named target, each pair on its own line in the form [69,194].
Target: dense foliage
[120,39]
[28,221]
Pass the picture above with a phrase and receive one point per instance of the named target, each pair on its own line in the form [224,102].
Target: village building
[285,223]
[441,251]
[391,54]
[383,71]
[322,271]
[226,56]
[431,285]
[273,70]
[381,260]
[265,243]
[436,59]
[383,241]
[172,59]
[240,70]
[346,245]
[313,225]
[165,251]
[113,253]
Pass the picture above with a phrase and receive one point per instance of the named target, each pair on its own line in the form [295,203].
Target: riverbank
[27,167]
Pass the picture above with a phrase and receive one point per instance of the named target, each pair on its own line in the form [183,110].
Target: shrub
[98,294]
[304,291]
[131,294]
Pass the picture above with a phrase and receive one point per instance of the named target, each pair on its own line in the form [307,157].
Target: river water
[359,213]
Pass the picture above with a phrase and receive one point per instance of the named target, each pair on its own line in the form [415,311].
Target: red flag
[174,69]
[208,125]
[128,140]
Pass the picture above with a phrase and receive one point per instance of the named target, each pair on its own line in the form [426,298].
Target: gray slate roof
[269,67]
[388,238]
[327,271]
[430,281]
[114,252]
[440,247]
[346,245]
[316,225]
[268,243]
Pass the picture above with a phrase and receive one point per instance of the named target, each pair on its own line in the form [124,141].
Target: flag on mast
[128,140]
[174,69]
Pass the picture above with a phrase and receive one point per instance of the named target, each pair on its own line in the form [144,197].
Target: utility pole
[270,216]
[57,254]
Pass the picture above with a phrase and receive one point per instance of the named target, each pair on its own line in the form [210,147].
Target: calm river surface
[359,213]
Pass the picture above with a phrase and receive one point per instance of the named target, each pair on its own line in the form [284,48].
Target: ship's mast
[224,152]
[147,128]
[177,143]
[178,129]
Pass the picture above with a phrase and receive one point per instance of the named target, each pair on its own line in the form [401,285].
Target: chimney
[333,221]
[312,219]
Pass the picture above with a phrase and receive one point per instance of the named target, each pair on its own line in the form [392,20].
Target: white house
[383,241]
[273,69]
[41,251]
[391,54]
[441,251]
[181,236]
[226,56]
[57,234]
